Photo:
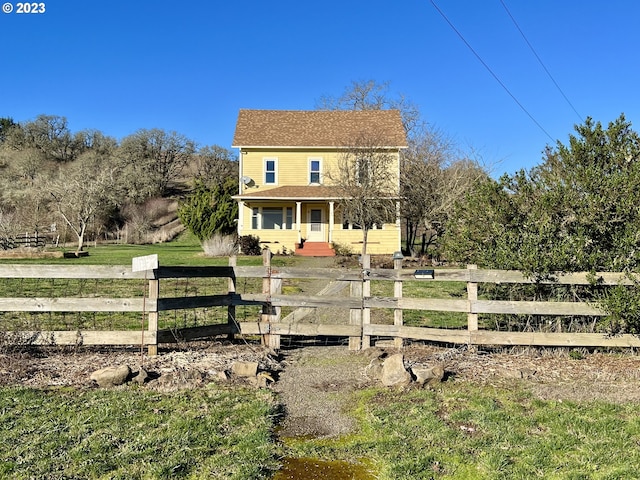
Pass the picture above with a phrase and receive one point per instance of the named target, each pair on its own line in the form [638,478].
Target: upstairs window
[314,170]
[270,171]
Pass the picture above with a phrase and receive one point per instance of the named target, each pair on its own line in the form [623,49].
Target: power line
[491,71]
[540,60]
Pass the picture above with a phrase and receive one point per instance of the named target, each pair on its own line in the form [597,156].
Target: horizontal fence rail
[348,289]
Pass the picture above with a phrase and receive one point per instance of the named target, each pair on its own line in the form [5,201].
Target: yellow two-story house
[288,196]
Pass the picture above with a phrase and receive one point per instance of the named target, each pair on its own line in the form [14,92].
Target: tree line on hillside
[87,181]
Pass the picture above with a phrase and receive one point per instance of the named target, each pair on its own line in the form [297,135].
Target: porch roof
[316,192]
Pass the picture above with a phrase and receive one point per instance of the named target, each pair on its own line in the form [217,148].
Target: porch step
[315,249]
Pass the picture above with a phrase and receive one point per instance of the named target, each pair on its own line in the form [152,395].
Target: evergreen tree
[210,210]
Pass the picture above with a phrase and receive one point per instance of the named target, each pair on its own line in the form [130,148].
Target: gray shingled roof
[318,128]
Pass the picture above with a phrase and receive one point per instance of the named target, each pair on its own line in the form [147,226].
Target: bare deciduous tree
[366,178]
[370,95]
[6,124]
[433,178]
[215,164]
[83,190]
[432,175]
[21,176]
[50,135]
[7,225]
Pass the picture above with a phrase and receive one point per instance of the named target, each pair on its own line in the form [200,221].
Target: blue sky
[119,66]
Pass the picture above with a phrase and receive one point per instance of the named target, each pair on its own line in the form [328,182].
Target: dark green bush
[250,245]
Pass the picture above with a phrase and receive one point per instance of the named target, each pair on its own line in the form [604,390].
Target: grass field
[459,431]
[186,251]
[466,431]
[136,434]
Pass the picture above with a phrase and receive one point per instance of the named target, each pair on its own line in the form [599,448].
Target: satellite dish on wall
[246,180]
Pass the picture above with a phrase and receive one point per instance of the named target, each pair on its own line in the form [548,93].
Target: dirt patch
[19,253]
[548,374]
[172,369]
[313,388]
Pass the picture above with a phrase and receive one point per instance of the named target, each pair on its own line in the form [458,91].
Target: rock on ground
[111,376]
[394,374]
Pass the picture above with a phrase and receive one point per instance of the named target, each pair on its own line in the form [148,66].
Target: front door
[315,229]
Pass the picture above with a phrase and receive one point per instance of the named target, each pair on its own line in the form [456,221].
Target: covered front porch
[290,226]
[308,221]
[291,219]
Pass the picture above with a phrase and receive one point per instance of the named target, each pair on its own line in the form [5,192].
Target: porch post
[399,225]
[240,217]
[331,222]
[298,215]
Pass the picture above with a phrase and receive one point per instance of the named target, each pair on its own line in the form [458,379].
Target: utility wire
[491,71]
[540,60]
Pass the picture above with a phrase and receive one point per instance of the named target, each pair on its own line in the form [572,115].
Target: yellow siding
[275,239]
[292,166]
[380,241]
[385,241]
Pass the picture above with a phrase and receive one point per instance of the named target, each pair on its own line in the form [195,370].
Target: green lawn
[134,433]
[459,431]
[465,431]
[186,251]
[418,289]
[183,251]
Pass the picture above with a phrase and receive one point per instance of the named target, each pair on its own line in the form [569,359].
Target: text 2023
[30,7]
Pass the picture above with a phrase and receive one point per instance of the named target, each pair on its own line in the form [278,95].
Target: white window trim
[275,171]
[256,218]
[319,160]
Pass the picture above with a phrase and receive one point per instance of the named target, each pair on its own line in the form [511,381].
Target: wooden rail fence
[34,240]
[270,325]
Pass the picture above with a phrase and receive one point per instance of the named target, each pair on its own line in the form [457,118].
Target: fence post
[366,293]
[472,296]
[397,292]
[231,309]
[270,314]
[355,314]
[154,294]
